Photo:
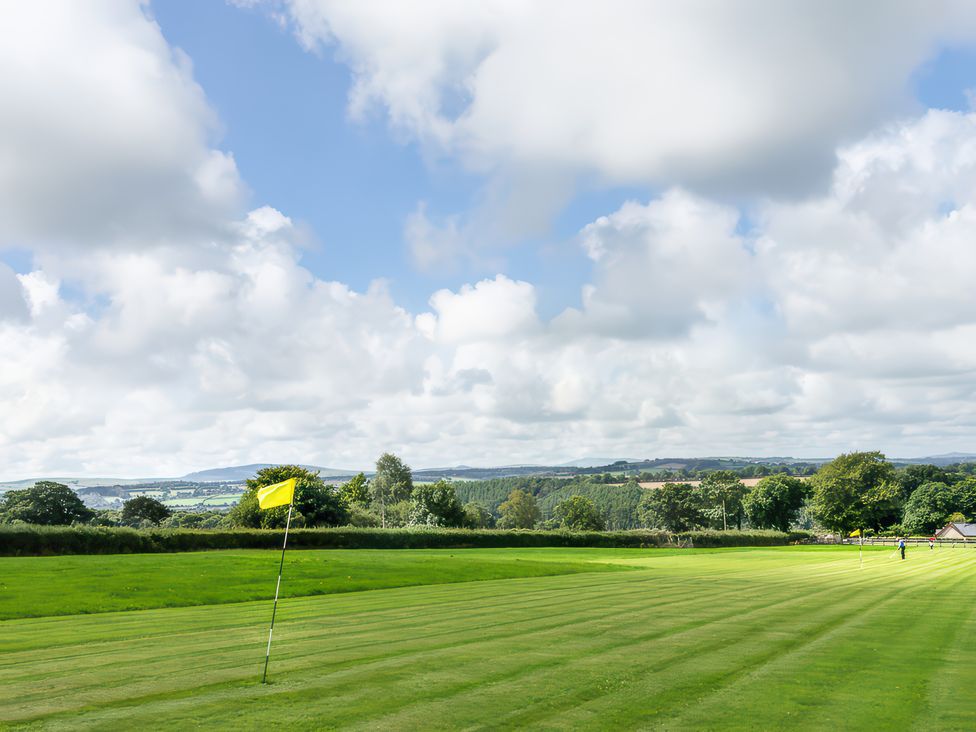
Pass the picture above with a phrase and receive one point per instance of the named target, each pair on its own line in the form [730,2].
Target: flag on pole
[853,533]
[279,494]
[269,496]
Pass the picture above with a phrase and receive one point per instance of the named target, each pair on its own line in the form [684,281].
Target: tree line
[859,490]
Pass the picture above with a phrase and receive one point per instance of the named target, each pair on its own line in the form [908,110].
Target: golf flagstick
[274,611]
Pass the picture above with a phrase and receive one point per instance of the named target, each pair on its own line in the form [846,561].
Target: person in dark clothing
[901,547]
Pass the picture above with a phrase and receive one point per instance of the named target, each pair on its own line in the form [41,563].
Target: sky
[483,233]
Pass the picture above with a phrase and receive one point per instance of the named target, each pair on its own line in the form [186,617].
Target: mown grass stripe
[692,636]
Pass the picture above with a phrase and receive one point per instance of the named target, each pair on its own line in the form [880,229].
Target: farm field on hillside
[798,638]
[749,482]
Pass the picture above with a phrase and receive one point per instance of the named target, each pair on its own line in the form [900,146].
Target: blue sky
[283,113]
[284,116]
[267,231]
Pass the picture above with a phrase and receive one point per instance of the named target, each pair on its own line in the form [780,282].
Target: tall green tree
[46,502]
[316,504]
[355,490]
[144,508]
[392,483]
[775,502]
[520,511]
[436,504]
[725,492]
[857,490]
[673,506]
[579,513]
[931,505]
[477,516]
[916,475]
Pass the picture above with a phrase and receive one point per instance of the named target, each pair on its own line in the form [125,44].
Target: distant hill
[241,473]
[75,483]
[582,466]
[594,462]
[947,458]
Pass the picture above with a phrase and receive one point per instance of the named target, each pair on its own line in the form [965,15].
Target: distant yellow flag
[279,494]
[853,533]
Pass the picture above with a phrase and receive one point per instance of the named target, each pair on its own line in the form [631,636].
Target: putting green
[747,639]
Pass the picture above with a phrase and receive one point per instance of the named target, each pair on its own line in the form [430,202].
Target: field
[775,638]
[749,482]
[185,501]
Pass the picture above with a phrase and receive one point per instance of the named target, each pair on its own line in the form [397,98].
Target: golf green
[781,638]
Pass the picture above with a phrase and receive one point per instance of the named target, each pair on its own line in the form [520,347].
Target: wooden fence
[893,541]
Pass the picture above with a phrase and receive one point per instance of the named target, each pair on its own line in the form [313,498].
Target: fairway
[775,638]
[69,585]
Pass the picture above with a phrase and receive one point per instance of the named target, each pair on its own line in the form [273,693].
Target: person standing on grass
[901,547]
[931,542]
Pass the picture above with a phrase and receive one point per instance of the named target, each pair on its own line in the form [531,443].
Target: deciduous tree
[775,502]
[673,506]
[916,475]
[725,492]
[144,508]
[393,482]
[856,490]
[931,505]
[316,504]
[477,516]
[45,502]
[579,514]
[436,504]
[355,490]
[520,511]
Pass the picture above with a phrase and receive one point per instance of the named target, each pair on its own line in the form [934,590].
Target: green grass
[776,638]
[68,585]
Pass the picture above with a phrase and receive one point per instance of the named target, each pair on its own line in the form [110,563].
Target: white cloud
[661,268]
[162,329]
[433,247]
[13,304]
[105,136]
[493,310]
[759,344]
[750,96]
[890,246]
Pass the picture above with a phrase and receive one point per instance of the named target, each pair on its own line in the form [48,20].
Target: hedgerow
[25,539]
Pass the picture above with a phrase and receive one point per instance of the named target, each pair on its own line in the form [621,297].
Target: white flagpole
[274,611]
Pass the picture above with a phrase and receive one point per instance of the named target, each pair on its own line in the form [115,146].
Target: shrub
[362,517]
[26,539]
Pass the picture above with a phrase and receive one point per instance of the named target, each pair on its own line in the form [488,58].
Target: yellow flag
[853,533]
[279,494]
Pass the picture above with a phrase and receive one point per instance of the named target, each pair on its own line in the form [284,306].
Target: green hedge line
[17,540]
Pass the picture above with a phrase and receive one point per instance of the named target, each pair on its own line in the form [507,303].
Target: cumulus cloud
[694,338]
[661,268]
[13,304]
[163,328]
[751,96]
[492,310]
[105,136]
